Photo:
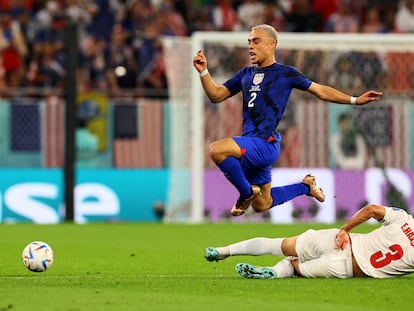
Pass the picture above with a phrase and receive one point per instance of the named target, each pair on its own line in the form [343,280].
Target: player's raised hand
[368,96]
[200,61]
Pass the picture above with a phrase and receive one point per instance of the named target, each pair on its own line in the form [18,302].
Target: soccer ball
[37,256]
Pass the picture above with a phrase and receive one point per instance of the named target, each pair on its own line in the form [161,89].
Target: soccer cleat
[212,254]
[314,190]
[251,272]
[243,204]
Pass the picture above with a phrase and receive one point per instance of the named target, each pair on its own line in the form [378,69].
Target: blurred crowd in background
[119,40]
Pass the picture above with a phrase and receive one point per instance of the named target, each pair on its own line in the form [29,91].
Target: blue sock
[283,194]
[233,171]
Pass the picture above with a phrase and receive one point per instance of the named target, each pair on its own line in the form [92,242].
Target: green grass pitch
[140,266]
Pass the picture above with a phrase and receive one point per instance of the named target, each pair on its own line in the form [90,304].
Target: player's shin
[257,247]
[233,171]
[283,194]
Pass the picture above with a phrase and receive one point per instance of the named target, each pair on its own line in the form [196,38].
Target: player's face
[261,48]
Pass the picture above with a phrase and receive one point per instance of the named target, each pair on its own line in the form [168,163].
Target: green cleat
[212,254]
[251,272]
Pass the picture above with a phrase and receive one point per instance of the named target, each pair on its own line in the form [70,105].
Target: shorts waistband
[358,273]
[275,137]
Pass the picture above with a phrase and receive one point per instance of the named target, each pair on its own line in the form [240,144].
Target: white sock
[284,268]
[257,247]
[223,252]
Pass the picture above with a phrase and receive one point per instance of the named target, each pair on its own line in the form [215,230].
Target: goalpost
[379,61]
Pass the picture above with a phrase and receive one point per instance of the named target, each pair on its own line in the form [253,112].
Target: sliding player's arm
[367,212]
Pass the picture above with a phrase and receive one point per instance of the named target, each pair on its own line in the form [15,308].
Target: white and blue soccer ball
[37,256]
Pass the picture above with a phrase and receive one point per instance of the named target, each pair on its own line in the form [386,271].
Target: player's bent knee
[212,149]
[289,246]
[220,150]
[215,154]
[295,264]
[260,207]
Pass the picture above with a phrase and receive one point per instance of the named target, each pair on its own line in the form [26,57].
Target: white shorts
[318,257]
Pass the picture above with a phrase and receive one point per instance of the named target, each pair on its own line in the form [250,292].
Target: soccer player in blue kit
[246,160]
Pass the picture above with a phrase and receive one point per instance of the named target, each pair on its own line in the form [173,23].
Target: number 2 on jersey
[379,259]
[253,96]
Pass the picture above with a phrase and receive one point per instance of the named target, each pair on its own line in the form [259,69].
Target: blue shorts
[258,158]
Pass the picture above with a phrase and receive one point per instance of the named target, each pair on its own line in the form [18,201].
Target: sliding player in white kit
[385,252]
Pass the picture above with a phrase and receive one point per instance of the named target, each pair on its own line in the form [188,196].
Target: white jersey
[389,250]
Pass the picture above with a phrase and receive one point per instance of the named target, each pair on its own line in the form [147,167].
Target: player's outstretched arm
[367,212]
[216,93]
[330,94]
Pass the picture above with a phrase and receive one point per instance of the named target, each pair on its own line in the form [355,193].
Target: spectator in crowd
[367,65]
[120,59]
[92,69]
[80,17]
[344,75]
[405,16]
[273,14]
[344,20]
[372,22]
[8,5]
[223,16]
[13,50]
[313,61]
[389,17]
[348,146]
[200,20]
[120,9]
[43,16]
[41,22]
[173,22]
[285,5]
[22,15]
[47,67]
[360,7]
[371,69]
[102,18]
[184,7]
[140,12]
[250,13]
[302,18]
[325,8]
[152,76]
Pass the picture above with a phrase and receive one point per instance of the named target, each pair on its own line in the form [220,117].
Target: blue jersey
[266,93]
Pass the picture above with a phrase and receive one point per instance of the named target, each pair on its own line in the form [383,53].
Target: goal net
[352,63]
